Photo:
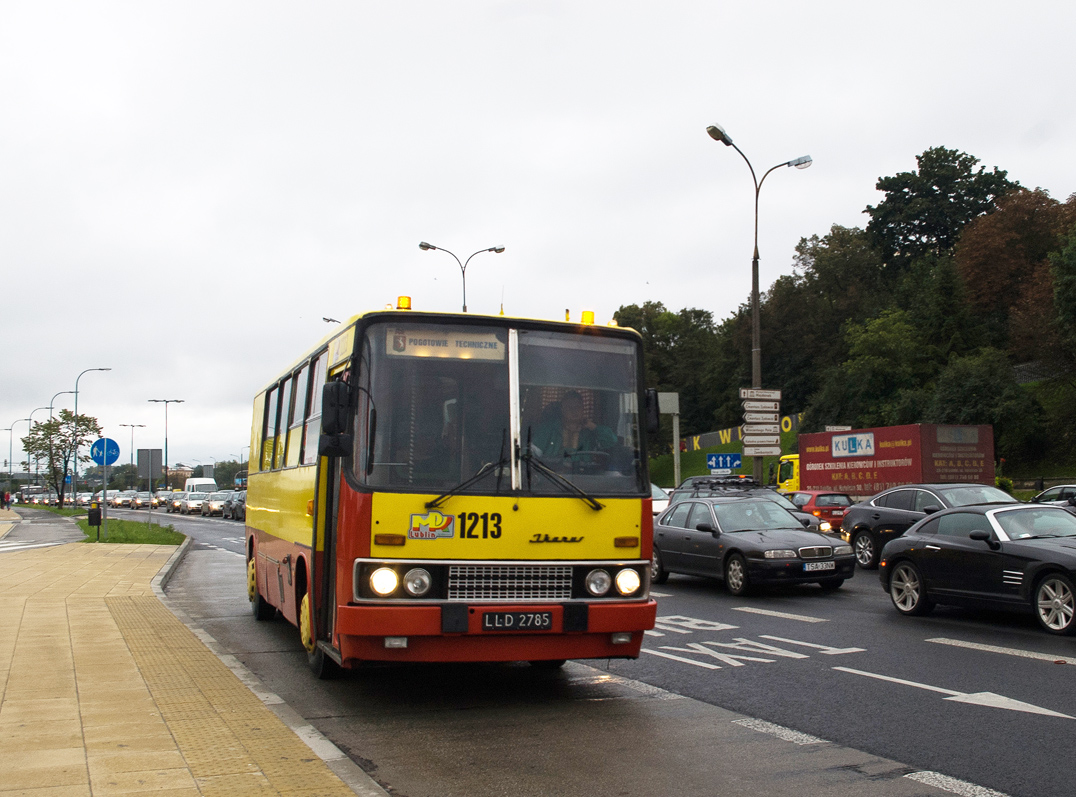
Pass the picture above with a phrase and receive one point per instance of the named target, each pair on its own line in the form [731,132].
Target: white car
[659,499]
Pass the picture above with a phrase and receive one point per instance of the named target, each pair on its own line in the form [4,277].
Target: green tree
[981,389]
[882,381]
[924,211]
[55,441]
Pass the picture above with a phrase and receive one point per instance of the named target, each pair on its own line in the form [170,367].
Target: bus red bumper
[363,630]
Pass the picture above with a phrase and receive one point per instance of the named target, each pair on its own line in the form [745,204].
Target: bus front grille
[509,582]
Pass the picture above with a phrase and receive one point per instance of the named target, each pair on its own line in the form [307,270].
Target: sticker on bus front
[431,526]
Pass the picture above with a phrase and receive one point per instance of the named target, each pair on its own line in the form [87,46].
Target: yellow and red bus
[445,487]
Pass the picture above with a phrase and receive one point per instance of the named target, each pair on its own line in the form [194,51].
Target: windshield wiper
[499,466]
[556,478]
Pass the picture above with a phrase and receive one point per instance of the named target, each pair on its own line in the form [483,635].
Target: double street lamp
[165,402]
[717,133]
[134,426]
[74,443]
[425,247]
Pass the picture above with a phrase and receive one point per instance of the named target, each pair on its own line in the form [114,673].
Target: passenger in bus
[570,430]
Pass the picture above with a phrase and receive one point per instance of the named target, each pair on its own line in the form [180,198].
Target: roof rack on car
[719,482]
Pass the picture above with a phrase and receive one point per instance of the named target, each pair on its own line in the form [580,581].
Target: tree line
[955,303]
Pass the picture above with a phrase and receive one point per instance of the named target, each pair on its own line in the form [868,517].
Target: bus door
[323,547]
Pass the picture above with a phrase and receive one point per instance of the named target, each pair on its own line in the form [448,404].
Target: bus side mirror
[334,445]
[653,415]
[335,405]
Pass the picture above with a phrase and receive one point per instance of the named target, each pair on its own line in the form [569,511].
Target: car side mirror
[704,526]
[930,510]
[1072,500]
[335,403]
[984,536]
[653,413]
[806,522]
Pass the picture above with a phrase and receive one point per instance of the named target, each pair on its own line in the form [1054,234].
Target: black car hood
[785,538]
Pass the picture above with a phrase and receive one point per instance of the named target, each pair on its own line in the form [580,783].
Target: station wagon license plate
[517,621]
[809,567]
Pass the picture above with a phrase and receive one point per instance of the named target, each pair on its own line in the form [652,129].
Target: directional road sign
[761,417]
[759,393]
[762,406]
[762,451]
[760,428]
[104,451]
[762,440]
[724,461]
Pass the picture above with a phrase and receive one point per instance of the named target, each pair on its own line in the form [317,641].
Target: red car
[827,506]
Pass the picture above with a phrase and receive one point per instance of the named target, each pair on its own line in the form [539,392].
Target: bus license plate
[517,621]
[810,566]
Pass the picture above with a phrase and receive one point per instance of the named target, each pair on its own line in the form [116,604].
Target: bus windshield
[439,402]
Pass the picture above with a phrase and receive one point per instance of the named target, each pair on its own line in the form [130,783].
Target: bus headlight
[627,581]
[417,582]
[384,581]
[598,582]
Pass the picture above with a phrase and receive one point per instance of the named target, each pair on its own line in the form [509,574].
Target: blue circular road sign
[104,451]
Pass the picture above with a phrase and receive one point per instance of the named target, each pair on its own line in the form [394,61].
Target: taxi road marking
[1026,654]
[783,615]
[975,698]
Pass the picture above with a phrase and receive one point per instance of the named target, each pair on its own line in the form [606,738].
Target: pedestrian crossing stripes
[25,545]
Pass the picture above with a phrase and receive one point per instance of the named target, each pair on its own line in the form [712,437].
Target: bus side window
[296,416]
[269,428]
[286,397]
[312,428]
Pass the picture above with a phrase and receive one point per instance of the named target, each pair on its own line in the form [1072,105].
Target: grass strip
[133,531]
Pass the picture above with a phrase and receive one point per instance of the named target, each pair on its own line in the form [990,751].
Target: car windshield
[968,494]
[753,516]
[1039,521]
[196,496]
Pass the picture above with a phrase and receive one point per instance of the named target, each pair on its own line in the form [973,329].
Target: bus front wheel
[320,664]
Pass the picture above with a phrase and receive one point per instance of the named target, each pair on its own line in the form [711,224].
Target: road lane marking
[783,615]
[1026,654]
[952,785]
[703,664]
[825,650]
[988,699]
[779,731]
[10,547]
[660,594]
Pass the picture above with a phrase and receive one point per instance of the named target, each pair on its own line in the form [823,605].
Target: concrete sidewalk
[105,691]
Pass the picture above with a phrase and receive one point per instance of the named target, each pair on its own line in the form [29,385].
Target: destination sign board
[762,406]
[761,440]
[762,451]
[761,417]
[760,394]
[760,428]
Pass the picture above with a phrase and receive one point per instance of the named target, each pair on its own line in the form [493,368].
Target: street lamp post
[717,133]
[37,472]
[425,247]
[166,402]
[11,451]
[51,403]
[74,443]
[133,427]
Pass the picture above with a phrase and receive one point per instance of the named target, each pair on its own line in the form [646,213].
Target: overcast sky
[188,188]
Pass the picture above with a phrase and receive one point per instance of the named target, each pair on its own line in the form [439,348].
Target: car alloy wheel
[1055,604]
[906,590]
[658,574]
[864,548]
[736,575]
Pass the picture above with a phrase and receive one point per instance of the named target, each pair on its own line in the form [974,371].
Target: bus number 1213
[491,525]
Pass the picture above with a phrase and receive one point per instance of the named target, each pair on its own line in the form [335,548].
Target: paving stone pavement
[104,691]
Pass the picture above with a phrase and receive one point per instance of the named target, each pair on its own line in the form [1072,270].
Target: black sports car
[1019,557]
[745,541]
[869,525]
